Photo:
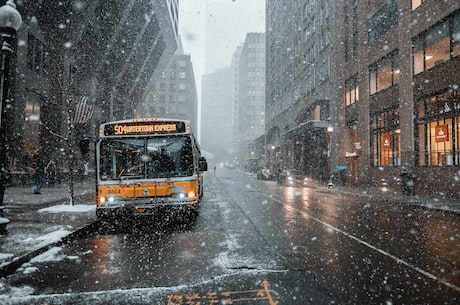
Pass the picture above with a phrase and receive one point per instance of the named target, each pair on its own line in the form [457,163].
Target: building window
[324,70]
[36,54]
[182,109]
[182,63]
[351,90]
[383,20]
[317,113]
[182,75]
[355,44]
[384,73]
[456,35]
[437,45]
[345,50]
[438,129]
[32,126]
[385,138]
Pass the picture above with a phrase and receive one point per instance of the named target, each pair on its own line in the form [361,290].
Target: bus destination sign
[143,128]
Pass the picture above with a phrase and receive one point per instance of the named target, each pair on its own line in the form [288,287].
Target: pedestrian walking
[38,174]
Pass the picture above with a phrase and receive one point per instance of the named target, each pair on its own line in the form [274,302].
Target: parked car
[292,177]
[229,165]
[265,174]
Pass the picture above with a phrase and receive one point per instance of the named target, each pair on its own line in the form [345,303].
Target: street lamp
[10,21]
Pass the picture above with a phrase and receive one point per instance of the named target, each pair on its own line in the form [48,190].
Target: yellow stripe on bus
[163,189]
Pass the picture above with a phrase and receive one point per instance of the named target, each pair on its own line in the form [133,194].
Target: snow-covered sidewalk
[37,222]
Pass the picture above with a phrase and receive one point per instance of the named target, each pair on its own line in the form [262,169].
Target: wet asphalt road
[255,242]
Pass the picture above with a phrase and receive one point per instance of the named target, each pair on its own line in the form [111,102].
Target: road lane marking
[385,253]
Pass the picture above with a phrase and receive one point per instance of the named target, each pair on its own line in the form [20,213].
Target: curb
[11,267]
[388,199]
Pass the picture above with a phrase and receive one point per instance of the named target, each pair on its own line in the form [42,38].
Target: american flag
[84,110]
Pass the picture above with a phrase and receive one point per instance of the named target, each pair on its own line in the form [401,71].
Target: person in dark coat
[38,174]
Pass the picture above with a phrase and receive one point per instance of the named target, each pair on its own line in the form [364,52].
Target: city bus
[144,166]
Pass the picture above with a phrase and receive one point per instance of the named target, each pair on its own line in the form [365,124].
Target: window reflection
[351,90]
[437,45]
[385,142]
[438,120]
[384,73]
[31,126]
[146,158]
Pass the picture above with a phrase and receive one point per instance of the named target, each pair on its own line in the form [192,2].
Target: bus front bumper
[123,209]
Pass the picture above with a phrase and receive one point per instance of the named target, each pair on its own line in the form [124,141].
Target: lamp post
[10,21]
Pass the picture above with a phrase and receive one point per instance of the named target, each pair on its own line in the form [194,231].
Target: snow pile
[78,208]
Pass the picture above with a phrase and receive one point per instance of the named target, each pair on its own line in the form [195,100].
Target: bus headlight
[180,195]
[179,192]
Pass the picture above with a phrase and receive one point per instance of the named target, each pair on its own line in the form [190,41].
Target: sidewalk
[36,222]
[388,195]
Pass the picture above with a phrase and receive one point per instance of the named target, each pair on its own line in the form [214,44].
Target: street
[256,242]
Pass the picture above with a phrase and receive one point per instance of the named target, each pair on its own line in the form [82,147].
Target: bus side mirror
[202,164]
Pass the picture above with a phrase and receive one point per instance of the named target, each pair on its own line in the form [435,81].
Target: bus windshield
[146,158]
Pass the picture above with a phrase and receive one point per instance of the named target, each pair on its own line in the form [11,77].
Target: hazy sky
[212,29]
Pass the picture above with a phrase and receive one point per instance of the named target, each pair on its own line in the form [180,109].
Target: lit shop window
[438,129]
[385,138]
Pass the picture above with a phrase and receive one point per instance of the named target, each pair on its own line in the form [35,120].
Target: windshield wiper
[119,177]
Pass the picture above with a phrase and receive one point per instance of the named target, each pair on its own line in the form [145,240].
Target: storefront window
[385,138]
[438,125]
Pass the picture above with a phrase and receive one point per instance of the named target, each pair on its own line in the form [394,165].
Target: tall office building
[400,107]
[251,94]
[216,109]
[174,94]
[390,79]
[105,59]
[301,84]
